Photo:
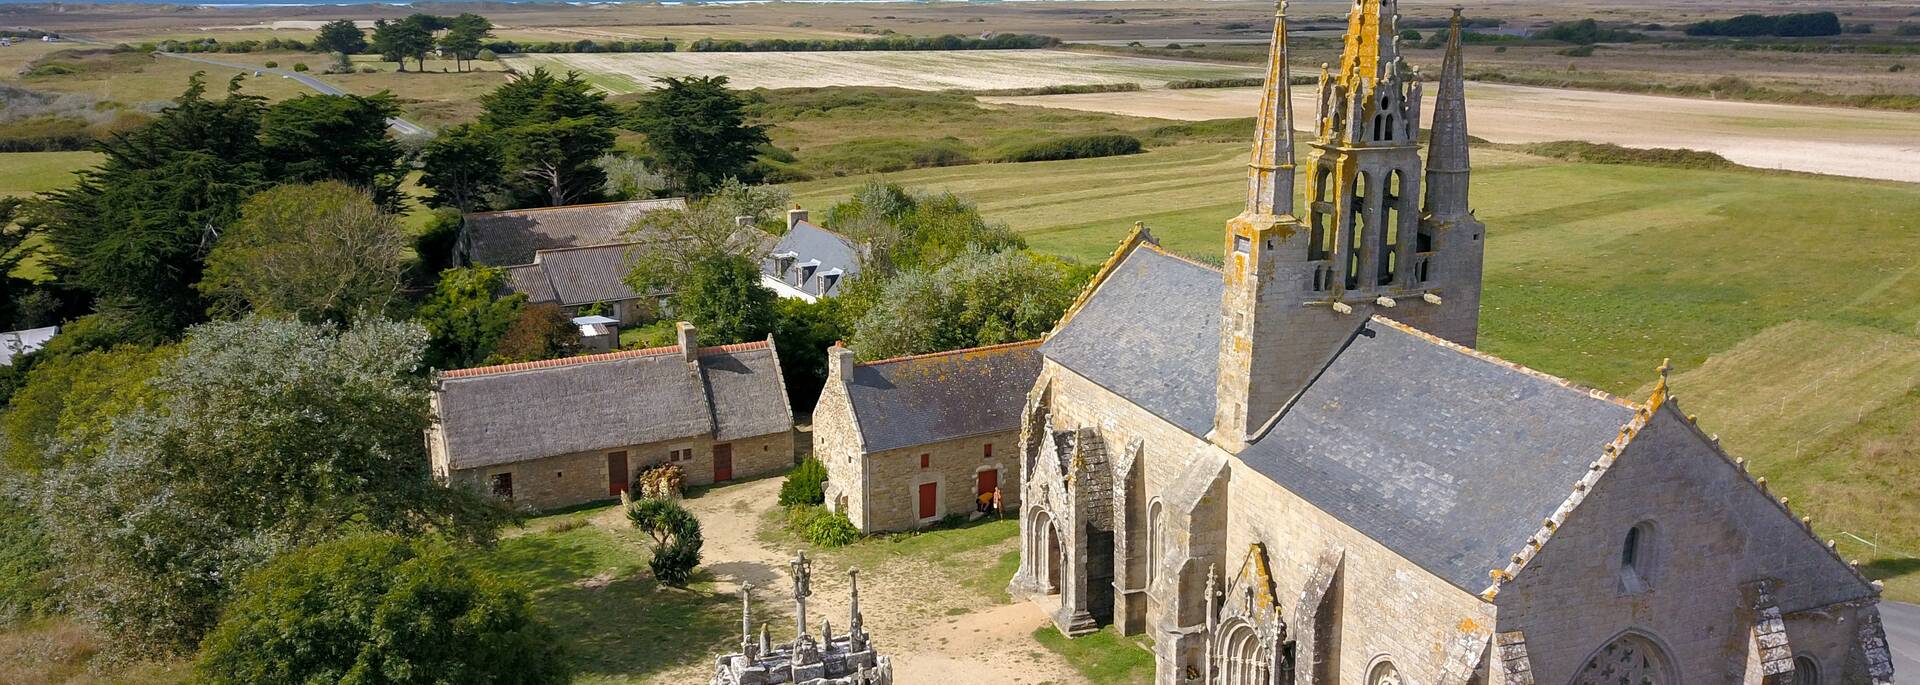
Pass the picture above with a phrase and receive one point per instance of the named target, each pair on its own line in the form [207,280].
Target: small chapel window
[1637,557]
[1805,671]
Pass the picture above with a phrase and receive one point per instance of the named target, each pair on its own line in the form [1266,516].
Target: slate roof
[1151,334]
[16,343]
[1448,457]
[930,398]
[575,276]
[512,237]
[517,412]
[813,243]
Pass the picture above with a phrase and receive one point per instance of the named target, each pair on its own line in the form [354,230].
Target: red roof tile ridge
[595,358]
[969,350]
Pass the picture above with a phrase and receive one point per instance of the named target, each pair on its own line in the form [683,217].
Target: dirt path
[932,626]
[1826,140]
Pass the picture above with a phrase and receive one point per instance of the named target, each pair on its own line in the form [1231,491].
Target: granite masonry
[827,659]
[1296,469]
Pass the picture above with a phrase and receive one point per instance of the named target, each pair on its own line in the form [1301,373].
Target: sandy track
[919,69]
[913,616]
[1827,140]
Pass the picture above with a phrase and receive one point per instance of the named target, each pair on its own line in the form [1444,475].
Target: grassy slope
[26,173]
[1597,272]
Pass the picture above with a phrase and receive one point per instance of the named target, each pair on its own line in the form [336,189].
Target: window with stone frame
[1639,558]
[501,485]
[1805,671]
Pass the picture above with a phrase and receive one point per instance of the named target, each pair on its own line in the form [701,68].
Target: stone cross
[802,589]
[746,621]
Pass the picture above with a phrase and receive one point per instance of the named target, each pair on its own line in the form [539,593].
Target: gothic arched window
[1155,538]
[1630,659]
[1805,671]
[1384,673]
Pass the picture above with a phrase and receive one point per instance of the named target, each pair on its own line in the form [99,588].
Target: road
[1902,622]
[399,125]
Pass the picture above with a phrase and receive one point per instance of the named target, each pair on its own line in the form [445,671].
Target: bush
[1907,30]
[806,485]
[885,155]
[272,64]
[378,608]
[26,565]
[1587,32]
[299,66]
[369,70]
[665,481]
[1076,147]
[1577,51]
[820,527]
[1188,84]
[1606,153]
[1785,25]
[486,55]
[1409,35]
[676,538]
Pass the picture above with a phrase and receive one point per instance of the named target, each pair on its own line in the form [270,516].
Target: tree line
[1802,24]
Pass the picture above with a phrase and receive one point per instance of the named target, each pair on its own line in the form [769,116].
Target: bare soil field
[1845,142]
[919,70]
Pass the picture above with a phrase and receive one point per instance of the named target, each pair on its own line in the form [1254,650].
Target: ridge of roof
[828,231]
[1444,343]
[574,248]
[1157,247]
[947,353]
[657,200]
[596,358]
[1135,238]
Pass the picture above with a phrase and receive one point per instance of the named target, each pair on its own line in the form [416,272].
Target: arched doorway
[1630,659]
[1044,552]
[1243,660]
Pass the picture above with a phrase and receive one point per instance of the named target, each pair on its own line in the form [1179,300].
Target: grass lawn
[26,173]
[438,96]
[1596,273]
[135,78]
[1105,657]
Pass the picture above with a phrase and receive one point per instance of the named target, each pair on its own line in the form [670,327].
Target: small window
[1638,558]
[926,460]
[1242,245]
[987,452]
[1384,673]
[1805,671]
[502,485]
[559,474]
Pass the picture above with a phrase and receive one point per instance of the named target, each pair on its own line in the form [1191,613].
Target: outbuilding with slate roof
[909,441]
[578,278]
[511,237]
[561,432]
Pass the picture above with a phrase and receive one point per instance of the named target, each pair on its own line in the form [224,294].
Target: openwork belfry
[1295,469]
[828,659]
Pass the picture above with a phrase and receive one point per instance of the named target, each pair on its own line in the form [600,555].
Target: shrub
[1897,68]
[486,55]
[369,70]
[1188,84]
[273,64]
[676,538]
[1907,30]
[1586,32]
[1409,35]
[1606,153]
[665,481]
[378,608]
[1501,48]
[27,566]
[299,66]
[1785,25]
[884,155]
[1075,147]
[1577,51]
[820,527]
[807,484]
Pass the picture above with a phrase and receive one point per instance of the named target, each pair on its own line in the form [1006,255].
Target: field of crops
[1806,357]
[919,70]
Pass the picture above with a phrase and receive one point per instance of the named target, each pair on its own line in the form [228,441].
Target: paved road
[1902,622]
[400,126]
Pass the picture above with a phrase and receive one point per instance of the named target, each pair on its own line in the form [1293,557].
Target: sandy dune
[1845,142]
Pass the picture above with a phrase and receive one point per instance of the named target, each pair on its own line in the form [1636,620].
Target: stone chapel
[1295,469]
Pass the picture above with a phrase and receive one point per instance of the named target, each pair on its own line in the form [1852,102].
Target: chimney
[689,342]
[795,216]
[840,362]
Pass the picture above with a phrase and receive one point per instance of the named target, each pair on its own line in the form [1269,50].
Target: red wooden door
[928,494]
[989,479]
[722,462]
[617,473]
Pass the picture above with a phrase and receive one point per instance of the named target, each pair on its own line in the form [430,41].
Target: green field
[1596,273]
[26,173]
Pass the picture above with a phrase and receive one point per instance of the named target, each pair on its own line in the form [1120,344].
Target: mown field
[918,70]
[1790,303]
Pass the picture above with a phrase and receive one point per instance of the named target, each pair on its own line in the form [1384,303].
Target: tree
[675,240]
[697,130]
[466,315]
[979,299]
[342,36]
[722,295]
[463,167]
[133,231]
[379,609]
[14,249]
[269,435]
[466,34]
[543,331]
[335,138]
[676,538]
[805,485]
[551,130]
[318,253]
[69,402]
[903,230]
[398,41]
[805,331]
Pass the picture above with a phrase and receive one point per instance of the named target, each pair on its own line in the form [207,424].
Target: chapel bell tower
[1297,284]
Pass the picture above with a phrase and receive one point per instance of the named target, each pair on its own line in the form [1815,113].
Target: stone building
[909,441]
[1296,468]
[809,262]
[560,432]
[849,659]
[573,256]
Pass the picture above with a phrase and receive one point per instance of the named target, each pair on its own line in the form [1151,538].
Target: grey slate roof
[1151,334]
[930,398]
[812,242]
[512,237]
[1448,458]
[575,276]
[16,343]
[540,409]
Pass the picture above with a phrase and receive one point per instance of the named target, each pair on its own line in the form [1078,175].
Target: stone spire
[1447,164]
[1371,52]
[1270,173]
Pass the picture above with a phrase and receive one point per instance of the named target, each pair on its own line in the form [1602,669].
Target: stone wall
[1709,531]
[569,479]
[894,477]
[838,445]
